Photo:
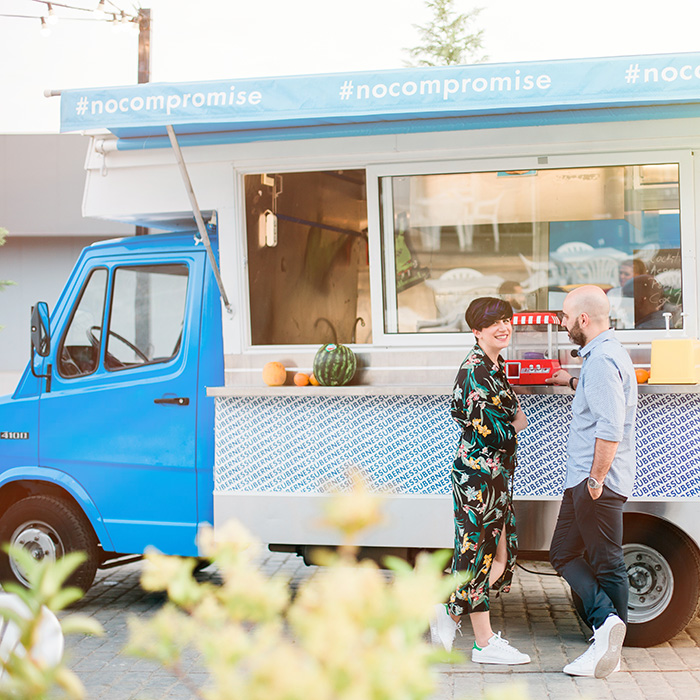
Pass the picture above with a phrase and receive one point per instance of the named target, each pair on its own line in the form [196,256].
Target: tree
[448,39]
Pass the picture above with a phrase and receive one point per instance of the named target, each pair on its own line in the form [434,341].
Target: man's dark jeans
[586,550]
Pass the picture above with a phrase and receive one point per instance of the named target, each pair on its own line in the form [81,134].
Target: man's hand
[595,493]
[560,378]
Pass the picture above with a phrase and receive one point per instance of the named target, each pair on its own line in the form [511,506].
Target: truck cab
[108,439]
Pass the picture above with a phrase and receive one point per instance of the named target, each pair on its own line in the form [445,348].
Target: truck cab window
[308,268]
[147,314]
[79,352]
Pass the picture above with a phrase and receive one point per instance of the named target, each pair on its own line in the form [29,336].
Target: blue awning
[397,101]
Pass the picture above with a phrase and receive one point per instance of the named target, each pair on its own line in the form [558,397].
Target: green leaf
[64,598]
[70,683]
[54,576]
[81,624]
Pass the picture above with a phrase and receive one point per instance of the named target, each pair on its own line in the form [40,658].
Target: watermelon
[334,365]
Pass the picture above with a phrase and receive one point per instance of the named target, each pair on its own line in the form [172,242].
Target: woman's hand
[520,420]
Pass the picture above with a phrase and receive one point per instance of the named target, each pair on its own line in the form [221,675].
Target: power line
[105,11]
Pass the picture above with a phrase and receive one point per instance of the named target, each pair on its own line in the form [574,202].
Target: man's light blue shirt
[605,406]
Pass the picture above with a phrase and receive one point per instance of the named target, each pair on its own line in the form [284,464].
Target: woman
[486,408]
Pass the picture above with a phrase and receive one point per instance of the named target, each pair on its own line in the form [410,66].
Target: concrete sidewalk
[537,616]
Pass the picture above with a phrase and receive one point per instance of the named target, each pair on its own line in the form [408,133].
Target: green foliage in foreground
[351,632]
[27,676]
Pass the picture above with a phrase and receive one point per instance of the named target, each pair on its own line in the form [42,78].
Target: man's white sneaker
[443,628]
[498,651]
[585,664]
[608,645]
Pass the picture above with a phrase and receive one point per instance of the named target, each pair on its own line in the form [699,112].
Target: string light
[119,19]
[53,17]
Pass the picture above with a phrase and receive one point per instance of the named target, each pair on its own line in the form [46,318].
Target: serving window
[307,252]
[530,236]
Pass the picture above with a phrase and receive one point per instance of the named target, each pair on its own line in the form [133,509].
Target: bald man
[586,546]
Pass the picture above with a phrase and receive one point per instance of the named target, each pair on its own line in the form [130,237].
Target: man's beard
[576,334]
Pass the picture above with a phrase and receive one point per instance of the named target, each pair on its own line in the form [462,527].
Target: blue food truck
[369,209]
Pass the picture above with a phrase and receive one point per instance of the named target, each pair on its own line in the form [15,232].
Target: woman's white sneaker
[442,627]
[498,651]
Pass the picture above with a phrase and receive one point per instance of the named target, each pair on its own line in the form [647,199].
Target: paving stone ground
[537,616]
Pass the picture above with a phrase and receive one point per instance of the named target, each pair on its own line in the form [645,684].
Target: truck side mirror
[41,334]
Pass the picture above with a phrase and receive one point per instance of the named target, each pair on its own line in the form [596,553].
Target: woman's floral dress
[484,405]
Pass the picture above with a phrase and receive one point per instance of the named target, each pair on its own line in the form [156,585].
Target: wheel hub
[40,541]
[650,582]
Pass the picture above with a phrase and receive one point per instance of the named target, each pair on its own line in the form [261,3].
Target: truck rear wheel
[48,528]
[663,569]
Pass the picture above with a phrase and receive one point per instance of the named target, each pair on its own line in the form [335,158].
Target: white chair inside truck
[602,270]
[574,247]
[445,209]
[540,274]
[454,294]
[461,273]
[481,211]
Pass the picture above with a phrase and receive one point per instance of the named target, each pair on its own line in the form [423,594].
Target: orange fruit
[301,379]
[313,380]
[642,375]
[274,374]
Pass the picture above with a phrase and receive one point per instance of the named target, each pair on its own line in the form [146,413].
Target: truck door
[121,413]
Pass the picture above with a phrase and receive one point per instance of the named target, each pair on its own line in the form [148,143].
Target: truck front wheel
[663,570]
[48,528]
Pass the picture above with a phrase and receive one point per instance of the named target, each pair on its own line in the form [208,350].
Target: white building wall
[41,190]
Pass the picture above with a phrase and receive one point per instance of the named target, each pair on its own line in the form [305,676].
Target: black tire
[201,564]
[50,528]
[663,568]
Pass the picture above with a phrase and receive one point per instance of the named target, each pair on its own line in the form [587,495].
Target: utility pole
[144,76]
[144,45]
[143,287]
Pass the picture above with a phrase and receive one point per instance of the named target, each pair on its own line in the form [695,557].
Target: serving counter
[298,439]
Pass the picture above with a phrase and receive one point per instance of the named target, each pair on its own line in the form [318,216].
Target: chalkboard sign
[665,266]
[665,259]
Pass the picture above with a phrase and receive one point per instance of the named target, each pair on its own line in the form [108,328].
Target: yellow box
[675,361]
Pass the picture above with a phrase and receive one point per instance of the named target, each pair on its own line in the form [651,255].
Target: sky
[226,39]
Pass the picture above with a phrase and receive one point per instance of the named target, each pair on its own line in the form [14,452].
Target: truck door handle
[177,400]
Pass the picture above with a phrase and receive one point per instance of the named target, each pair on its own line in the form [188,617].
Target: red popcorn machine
[534,351]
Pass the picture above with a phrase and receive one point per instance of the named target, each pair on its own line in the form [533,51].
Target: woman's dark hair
[484,311]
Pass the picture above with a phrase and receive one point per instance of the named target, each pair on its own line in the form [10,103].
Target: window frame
[245,341]
[69,323]
[382,252]
[109,309]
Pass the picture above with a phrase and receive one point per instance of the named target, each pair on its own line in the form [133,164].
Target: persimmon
[301,379]
[274,374]
[642,375]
